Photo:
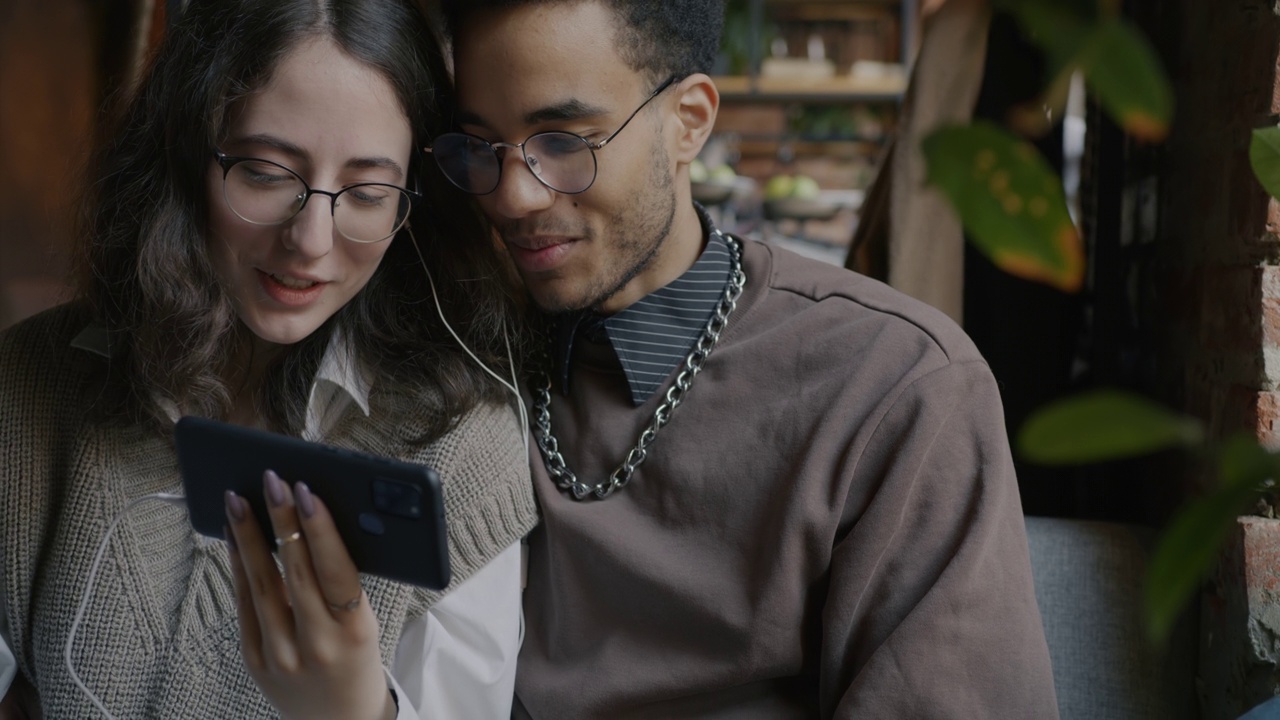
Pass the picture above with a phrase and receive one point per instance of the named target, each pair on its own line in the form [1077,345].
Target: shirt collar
[341,378]
[341,368]
[652,337]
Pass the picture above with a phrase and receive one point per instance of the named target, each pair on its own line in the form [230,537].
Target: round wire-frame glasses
[561,160]
[262,192]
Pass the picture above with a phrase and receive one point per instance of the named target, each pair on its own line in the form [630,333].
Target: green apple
[697,171]
[805,187]
[723,174]
[778,187]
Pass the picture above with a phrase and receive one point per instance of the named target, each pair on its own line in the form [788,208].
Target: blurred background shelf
[837,89]
[812,89]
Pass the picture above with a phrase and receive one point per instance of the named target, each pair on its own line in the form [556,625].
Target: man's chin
[552,302]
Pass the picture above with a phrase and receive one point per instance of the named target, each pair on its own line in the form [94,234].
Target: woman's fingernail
[275,488]
[231,539]
[306,501]
[235,506]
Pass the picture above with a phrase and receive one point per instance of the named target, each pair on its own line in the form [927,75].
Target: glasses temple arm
[666,84]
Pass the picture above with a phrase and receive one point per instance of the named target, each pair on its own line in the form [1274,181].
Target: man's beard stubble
[636,232]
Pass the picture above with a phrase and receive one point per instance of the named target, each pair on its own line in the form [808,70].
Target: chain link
[556,466]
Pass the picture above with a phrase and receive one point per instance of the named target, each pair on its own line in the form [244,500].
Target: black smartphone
[389,513]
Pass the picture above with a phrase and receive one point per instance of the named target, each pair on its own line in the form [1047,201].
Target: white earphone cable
[175,499]
[170,498]
[506,338]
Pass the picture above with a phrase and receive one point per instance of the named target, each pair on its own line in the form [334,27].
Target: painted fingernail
[235,506]
[231,539]
[306,501]
[275,488]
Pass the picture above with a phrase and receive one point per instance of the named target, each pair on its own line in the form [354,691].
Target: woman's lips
[290,291]
[540,256]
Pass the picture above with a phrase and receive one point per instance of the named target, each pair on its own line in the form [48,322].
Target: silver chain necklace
[556,466]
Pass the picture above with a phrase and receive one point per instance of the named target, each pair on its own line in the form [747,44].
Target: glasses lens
[370,213]
[468,162]
[262,192]
[563,161]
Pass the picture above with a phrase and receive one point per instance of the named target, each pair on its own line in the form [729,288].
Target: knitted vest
[160,638]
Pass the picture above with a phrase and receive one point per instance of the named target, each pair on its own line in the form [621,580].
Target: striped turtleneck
[653,336]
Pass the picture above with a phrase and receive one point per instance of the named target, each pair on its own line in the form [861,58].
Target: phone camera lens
[397,498]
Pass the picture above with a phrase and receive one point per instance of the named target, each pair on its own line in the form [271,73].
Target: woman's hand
[309,639]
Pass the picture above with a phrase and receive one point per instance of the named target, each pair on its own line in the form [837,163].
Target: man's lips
[541,253]
[537,242]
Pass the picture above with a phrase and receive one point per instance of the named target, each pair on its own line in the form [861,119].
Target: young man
[823,521]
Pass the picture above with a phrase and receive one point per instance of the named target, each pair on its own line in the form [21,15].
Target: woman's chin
[281,331]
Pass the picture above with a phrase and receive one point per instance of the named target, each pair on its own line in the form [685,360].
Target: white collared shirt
[457,660]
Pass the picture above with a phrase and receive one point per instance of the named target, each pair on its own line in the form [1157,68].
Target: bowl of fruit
[711,186]
[796,197]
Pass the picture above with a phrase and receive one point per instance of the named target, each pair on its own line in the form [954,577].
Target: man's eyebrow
[292,150]
[572,109]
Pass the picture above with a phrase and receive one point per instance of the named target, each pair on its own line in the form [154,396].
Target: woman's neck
[244,375]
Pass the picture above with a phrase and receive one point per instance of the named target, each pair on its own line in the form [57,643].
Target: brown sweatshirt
[828,527]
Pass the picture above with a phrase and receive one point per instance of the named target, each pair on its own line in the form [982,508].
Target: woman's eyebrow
[276,143]
[375,162]
[295,151]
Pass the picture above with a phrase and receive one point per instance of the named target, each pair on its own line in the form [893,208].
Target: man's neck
[677,253]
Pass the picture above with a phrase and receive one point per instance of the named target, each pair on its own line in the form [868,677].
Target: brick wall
[1218,284]
[1215,285]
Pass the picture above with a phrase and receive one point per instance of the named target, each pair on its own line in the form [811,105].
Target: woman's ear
[697,102]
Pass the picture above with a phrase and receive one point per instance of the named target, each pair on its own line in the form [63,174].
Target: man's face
[535,68]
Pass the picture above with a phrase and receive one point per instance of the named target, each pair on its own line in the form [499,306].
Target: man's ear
[697,102]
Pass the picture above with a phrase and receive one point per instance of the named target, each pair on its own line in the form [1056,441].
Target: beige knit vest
[160,637]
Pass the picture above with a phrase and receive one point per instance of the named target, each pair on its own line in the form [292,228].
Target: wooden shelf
[832,10]
[837,89]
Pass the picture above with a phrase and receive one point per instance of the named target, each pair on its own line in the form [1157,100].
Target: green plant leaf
[1103,425]
[1123,71]
[1118,63]
[1187,550]
[1009,200]
[1061,28]
[1264,156]
[1245,464]
[1185,555]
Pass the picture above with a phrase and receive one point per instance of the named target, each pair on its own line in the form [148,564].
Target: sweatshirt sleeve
[931,610]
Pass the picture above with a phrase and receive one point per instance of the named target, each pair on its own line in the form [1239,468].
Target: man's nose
[519,191]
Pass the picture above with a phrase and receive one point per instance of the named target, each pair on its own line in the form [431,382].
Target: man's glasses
[563,161]
[262,192]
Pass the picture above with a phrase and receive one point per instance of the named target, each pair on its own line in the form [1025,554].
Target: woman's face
[336,123]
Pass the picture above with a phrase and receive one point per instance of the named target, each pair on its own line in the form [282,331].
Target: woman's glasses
[563,161]
[262,192]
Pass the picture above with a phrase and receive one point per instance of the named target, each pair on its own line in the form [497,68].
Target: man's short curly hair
[670,37]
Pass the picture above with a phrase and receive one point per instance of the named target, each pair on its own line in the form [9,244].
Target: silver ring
[295,536]
[347,606]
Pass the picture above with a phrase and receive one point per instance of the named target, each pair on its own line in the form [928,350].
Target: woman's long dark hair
[144,267]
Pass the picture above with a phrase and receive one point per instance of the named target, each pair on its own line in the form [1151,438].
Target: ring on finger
[294,536]
[346,606]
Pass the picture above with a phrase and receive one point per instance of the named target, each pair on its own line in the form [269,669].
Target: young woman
[248,256]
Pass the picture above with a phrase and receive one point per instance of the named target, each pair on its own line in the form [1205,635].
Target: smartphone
[389,513]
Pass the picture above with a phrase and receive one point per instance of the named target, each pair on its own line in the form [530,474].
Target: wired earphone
[180,500]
